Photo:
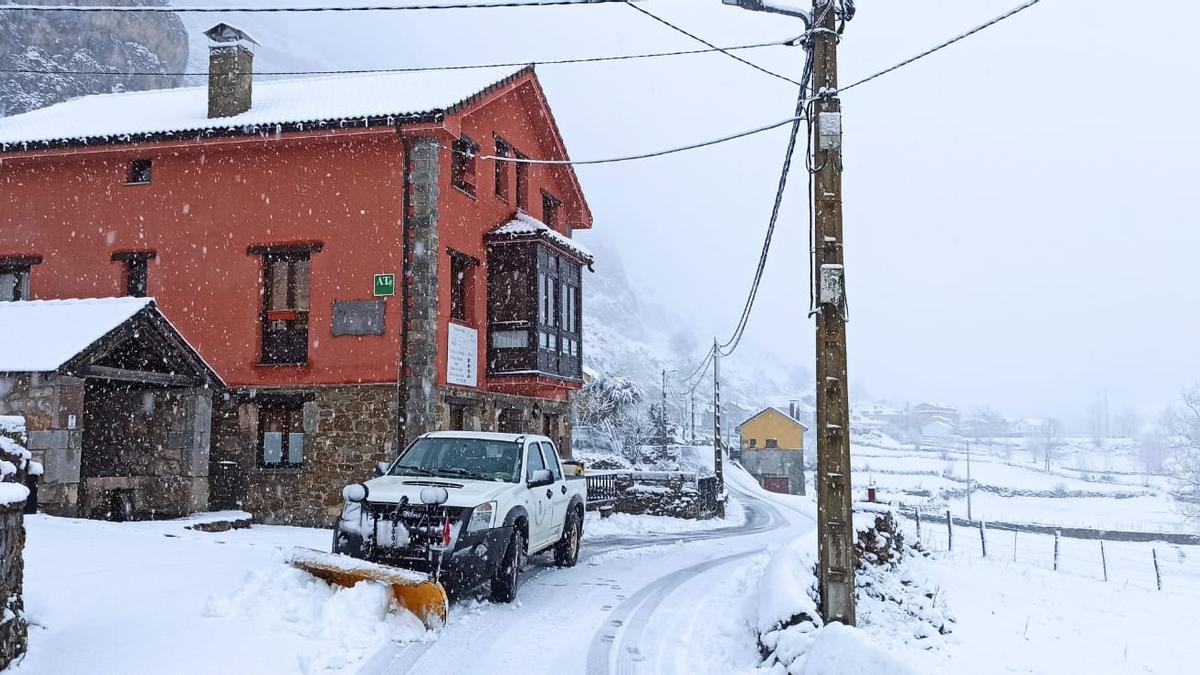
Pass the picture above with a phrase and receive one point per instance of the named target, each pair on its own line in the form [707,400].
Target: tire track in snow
[629,620]
[485,627]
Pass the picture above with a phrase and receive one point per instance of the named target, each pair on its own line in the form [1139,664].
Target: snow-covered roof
[774,409]
[525,224]
[302,101]
[41,335]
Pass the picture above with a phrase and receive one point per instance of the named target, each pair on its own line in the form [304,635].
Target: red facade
[211,204]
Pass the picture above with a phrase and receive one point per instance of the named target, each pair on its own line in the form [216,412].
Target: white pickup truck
[466,507]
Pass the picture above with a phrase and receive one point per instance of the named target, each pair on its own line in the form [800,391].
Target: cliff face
[108,42]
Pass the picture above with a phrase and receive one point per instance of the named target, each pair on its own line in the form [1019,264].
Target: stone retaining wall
[13,629]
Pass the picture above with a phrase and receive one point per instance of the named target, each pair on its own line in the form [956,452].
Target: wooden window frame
[136,266]
[551,206]
[293,415]
[141,172]
[522,181]
[296,318]
[462,308]
[463,164]
[503,176]
[21,267]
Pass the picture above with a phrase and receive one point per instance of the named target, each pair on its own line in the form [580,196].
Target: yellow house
[772,450]
[772,428]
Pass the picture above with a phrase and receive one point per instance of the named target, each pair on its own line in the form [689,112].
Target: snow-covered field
[1009,486]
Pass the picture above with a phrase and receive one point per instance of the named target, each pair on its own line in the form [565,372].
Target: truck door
[559,491]
[539,500]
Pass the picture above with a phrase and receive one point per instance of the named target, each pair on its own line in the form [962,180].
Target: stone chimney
[230,70]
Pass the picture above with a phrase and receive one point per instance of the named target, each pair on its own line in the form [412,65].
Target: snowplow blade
[417,592]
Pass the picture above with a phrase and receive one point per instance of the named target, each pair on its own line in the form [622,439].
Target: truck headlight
[481,517]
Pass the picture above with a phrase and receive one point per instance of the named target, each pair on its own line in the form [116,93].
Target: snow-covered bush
[611,408]
[15,460]
[895,603]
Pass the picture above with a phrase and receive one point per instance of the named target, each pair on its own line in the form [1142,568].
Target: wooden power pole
[718,467]
[835,545]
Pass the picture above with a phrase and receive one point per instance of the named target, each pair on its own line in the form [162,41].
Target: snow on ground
[154,597]
[1024,618]
[1013,617]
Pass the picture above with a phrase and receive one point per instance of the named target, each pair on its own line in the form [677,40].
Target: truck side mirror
[541,477]
[381,468]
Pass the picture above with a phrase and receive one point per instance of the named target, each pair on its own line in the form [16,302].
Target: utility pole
[835,543]
[969,518]
[718,469]
[662,417]
[692,417]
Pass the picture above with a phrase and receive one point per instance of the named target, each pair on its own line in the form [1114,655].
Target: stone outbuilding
[117,406]
[772,450]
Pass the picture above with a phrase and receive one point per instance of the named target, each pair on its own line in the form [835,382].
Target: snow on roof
[523,224]
[771,408]
[41,335]
[275,102]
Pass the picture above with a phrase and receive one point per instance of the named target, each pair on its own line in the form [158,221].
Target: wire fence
[1152,565]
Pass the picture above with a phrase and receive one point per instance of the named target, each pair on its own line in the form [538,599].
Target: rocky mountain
[103,42]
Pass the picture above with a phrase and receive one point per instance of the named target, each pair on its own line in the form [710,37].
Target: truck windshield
[472,458]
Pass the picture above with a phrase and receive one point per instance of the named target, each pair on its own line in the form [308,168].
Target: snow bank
[339,626]
[898,604]
[619,524]
[788,586]
[842,650]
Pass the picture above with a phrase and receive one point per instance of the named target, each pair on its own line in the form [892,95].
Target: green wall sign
[385,284]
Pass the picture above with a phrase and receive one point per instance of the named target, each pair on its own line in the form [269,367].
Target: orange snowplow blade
[417,592]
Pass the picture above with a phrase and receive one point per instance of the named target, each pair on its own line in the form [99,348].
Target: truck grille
[409,530]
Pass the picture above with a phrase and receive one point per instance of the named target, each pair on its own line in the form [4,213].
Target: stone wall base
[347,430]
[13,628]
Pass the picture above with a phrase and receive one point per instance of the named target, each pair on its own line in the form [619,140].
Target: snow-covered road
[639,603]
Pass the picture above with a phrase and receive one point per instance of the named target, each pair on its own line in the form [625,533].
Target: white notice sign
[462,356]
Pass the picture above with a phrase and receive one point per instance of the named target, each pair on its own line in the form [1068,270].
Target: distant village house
[772,450]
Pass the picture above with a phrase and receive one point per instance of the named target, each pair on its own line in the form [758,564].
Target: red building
[267,220]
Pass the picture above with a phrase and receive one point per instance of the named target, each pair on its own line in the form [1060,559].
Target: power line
[801,106]
[260,10]
[413,69]
[701,40]
[962,36]
[647,155]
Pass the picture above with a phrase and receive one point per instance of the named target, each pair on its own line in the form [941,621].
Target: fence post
[918,525]
[983,537]
[1057,533]
[949,531]
[1157,573]
[1014,545]
[1103,560]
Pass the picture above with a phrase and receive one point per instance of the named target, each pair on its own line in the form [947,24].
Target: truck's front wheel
[504,584]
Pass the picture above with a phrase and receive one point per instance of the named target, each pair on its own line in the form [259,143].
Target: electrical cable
[962,36]
[293,9]
[414,69]
[647,155]
[701,40]
[731,345]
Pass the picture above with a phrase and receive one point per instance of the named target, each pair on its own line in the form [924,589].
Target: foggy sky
[1020,219]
